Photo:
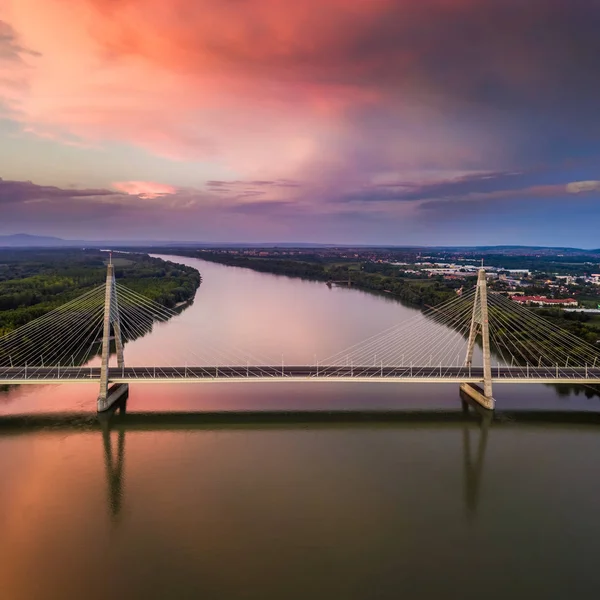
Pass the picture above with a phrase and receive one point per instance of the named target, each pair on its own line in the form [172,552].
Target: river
[178,508]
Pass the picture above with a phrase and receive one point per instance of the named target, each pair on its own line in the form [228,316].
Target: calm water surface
[429,509]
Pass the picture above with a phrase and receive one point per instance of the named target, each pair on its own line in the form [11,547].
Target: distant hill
[24,240]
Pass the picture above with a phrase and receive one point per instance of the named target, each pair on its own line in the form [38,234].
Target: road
[438,374]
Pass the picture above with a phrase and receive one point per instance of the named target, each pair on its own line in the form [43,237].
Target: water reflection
[472,426]
[114,460]
[474,456]
[473,423]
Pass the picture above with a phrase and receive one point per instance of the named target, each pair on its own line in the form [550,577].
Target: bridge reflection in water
[473,423]
[114,458]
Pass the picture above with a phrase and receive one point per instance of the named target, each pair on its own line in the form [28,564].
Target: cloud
[10,46]
[276,89]
[578,187]
[193,214]
[144,189]
[12,192]
[487,184]
[256,183]
[310,110]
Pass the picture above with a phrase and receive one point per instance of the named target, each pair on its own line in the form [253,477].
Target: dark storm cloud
[481,186]
[484,183]
[216,183]
[15,192]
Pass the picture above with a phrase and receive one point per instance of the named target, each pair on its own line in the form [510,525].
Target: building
[544,301]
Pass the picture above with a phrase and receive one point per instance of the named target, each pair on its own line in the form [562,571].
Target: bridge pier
[476,393]
[115,393]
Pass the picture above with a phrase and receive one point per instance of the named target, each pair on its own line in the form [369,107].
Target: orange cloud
[144,189]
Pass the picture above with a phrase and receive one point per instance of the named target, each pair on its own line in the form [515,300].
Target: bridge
[477,339]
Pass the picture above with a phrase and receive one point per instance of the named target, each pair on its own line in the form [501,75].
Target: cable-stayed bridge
[477,339]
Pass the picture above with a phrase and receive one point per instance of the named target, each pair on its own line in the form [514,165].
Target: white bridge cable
[64,346]
[235,359]
[389,333]
[94,332]
[28,340]
[532,338]
[390,344]
[523,348]
[67,307]
[583,349]
[497,346]
[564,358]
[380,340]
[420,346]
[454,325]
[419,343]
[95,338]
[510,339]
[552,340]
[166,314]
[64,335]
[35,331]
[132,328]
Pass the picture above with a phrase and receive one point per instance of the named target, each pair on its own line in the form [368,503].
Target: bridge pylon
[480,326]
[110,394]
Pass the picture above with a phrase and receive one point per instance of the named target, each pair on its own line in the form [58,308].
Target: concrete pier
[477,394]
[116,392]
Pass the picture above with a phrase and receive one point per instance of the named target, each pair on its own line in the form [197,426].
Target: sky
[434,122]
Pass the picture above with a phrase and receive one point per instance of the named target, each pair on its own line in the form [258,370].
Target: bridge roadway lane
[90,374]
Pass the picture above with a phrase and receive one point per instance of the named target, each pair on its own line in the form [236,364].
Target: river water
[164,507]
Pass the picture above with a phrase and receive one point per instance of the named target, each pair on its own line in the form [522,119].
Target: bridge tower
[480,325]
[109,395]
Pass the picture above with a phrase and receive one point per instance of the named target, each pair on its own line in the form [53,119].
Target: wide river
[157,506]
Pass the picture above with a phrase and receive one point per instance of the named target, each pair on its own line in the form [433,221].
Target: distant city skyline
[390,122]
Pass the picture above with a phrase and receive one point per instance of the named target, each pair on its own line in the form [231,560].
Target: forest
[33,282]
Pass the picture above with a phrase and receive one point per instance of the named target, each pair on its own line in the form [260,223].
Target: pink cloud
[338,94]
[144,189]
[266,88]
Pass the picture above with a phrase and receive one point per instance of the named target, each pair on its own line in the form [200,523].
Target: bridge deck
[409,374]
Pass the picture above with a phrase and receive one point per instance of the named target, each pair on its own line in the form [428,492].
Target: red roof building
[544,301]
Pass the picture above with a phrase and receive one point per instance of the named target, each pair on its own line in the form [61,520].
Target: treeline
[576,323]
[33,282]
[373,277]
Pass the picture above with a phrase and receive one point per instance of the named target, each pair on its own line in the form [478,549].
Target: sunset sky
[334,121]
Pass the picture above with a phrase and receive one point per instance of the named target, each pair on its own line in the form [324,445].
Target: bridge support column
[480,325]
[110,394]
